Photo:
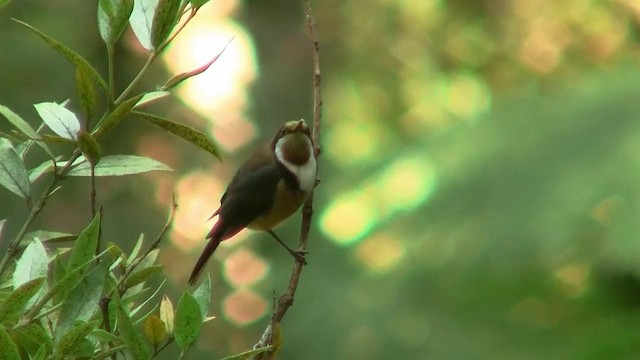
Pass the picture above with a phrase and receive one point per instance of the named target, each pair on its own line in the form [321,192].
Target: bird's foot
[299,255]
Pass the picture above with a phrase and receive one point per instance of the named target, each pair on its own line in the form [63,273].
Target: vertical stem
[111,76]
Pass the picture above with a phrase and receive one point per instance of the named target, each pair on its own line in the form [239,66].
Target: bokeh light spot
[469,96]
[573,278]
[348,218]
[243,307]
[243,268]
[380,252]
[407,183]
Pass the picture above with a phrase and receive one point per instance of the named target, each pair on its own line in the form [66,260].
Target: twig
[286,300]
[35,210]
[154,245]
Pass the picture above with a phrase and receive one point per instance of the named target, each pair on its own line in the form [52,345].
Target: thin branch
[154,245]
[12,250]
[286,300]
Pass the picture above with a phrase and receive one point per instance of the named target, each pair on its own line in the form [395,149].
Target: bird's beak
[300,125]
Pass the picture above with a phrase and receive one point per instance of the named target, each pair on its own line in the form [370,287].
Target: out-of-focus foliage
[479,195]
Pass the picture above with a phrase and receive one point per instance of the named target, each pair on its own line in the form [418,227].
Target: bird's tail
[218,233]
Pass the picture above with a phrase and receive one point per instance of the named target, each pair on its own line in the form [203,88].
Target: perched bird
[267,188]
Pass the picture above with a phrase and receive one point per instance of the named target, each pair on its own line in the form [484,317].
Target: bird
[268,187]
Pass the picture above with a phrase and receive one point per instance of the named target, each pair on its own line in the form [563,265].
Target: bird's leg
[299,255]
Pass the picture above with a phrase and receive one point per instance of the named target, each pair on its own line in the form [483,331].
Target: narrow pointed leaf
[89,147]
[118,165]
[140,276]
[13,174]
[71,56]
[2,227]
[151,97]
[177,79]
[166,314]
[38,171]
[24,128]
[136,249]
[198,3]
[84,248]
[136,346]
[202,294]
[83,301]
[48,236]
[13,305]
[185,132]
[59,119]
[86,92]
[8,348]
[34,337]
[188,321]
[117,115]
[113,16]
[164,19]
[141,21]
[32,263]
[74,337]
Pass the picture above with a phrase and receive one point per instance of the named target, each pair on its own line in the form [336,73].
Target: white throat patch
[305,173]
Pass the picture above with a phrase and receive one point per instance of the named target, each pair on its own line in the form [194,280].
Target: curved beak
[300,125]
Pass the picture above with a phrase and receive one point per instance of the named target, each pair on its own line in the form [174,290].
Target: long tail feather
[215,237]
[218,233]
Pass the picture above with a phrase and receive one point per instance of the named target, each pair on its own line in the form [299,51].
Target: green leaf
[86,92]
[104,336]
[117,115]
[113,16]
[35,173]
[13,174]
[70,55]
[188,321]
[140,276]
[32,263]
[185,132]
[59,119]
[8,348]
[48,236]
[202,294]
[136,249]
[141,21]
[82,303]
[84,248]
[166,314]
[154,330]
[2,227]
[73,338]
[249,354]
[13,305]
[40,354]
[150,97]
[89,147]
[18,122]
[198,3]
[33,338]
[118,165]
[164,19]
[136,346]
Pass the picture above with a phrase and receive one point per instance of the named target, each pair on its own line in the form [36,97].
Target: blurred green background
[480,171]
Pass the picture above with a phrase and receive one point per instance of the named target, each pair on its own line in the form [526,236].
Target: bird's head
[293,141]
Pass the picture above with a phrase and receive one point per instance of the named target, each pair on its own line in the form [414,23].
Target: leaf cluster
[66,296]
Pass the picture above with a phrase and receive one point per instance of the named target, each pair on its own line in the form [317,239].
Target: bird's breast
[286,202]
